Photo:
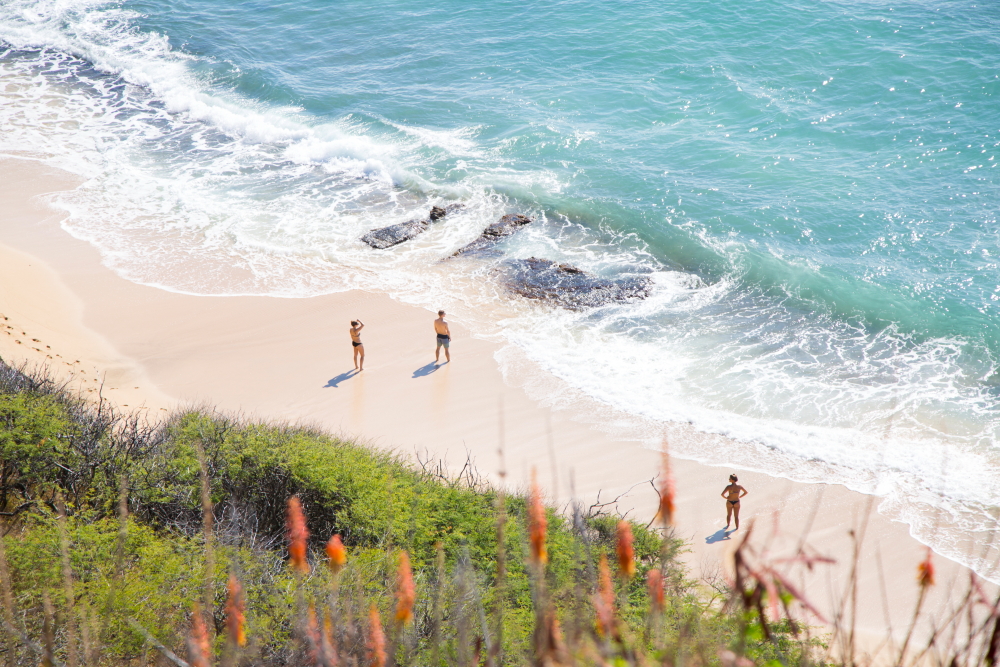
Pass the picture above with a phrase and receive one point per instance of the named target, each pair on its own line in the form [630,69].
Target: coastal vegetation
[208,538]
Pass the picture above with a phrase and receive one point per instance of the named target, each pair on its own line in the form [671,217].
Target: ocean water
[810,185]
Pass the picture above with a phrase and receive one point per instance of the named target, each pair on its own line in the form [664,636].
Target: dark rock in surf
[505,226]
[567,286]
[386,237]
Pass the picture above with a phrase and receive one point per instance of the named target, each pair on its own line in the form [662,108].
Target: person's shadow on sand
[718,536]
[426,370]
[333,382]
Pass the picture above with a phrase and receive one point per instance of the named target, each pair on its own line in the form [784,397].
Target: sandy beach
[290,360]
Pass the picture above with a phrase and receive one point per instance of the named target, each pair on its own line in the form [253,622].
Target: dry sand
[290,359]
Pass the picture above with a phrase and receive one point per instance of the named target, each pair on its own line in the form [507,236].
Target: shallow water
[810,185]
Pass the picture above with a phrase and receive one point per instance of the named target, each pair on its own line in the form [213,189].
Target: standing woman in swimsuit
[732,494]
[359,347]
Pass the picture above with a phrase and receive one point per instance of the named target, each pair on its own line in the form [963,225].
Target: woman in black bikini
[359,347]
[732,494]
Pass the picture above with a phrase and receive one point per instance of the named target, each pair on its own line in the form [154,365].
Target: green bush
[152,573]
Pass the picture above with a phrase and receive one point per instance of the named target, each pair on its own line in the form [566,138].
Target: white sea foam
[268,200]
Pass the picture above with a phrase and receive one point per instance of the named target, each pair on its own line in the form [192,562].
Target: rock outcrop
[386,237]
[505,226]
[567,286]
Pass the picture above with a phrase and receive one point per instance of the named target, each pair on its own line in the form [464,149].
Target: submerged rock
[386,237]
[505,226]
[568,286]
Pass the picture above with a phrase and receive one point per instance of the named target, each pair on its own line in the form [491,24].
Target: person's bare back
[443,338]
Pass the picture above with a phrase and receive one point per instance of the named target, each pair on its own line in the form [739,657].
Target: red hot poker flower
[537,526]
[337,553]
[925,571]
[376,639]
[625,550]
[665,514]
[654,583]
[405,592]
[235,607]
[199,647]
[297,535]
[604,600]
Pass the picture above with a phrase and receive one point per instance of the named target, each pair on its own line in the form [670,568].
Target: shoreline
[288,359]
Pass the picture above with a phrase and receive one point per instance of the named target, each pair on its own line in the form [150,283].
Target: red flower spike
[625,550]
[925,571]
[199,646]
[405,592]
[297,536]
[337,553]
[235,606]
[376,639]
[665,514]
[604,600]
[654,584]
[537,525]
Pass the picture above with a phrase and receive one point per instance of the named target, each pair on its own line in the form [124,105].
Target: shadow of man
[333,382]
[426,370]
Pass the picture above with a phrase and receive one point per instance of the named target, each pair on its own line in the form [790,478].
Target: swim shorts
[443,341]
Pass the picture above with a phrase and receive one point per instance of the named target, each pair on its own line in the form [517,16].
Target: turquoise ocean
[812,187]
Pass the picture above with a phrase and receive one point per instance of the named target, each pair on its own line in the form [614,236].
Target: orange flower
[337,553]
[604,600]
[312,634]
[405,592]
[654,583]
[199,647]
[376,639]
[666,511]
[624,549]
[925,571]
[537,525]
[234,612]
[297,535]
[329,648]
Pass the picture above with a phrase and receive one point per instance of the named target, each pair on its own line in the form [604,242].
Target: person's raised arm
[361,325]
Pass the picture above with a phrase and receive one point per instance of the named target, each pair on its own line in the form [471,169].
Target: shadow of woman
[718,536]
[333,382]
